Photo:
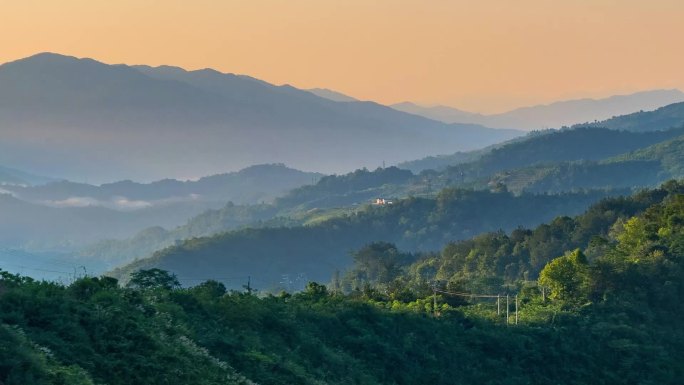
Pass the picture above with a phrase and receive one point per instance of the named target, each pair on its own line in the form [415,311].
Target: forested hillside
[604,310]
[663,118]
[645,167]
[500,261]
[316,251]
[578,144]
[581,142]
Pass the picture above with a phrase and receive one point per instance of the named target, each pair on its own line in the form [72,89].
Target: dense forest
[600,307]
[496,262]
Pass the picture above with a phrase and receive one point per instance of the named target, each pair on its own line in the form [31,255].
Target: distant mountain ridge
[553,115]
[143,122]
[254,184]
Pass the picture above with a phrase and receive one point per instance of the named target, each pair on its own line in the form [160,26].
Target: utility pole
[434,300]
[498,304]
[249,284]
[507,318]
[516,309]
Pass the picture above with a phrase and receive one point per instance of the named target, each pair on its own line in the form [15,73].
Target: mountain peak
[51,58]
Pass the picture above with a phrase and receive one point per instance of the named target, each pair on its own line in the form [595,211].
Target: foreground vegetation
[606,312]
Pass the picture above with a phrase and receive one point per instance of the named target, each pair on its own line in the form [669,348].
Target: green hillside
[605,310]
[670,155]
[496,262]
[645,167]
[582,142]
[316,251]
[663,118]
[578,144]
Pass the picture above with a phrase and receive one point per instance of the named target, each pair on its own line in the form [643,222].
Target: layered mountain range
[143,122]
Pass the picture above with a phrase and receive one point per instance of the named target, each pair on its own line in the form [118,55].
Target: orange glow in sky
[478,55]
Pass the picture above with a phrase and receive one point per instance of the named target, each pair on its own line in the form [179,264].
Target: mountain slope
[670,118]
[332,95]
[167,121]
[645,167]
[670,155]
[663,118]
[581,143]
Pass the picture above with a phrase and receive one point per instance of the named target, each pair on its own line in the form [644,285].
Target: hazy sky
[481,55]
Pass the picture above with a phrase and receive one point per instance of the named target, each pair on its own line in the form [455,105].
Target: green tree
[567,276]
[377,262]
[316,290]
[153,279]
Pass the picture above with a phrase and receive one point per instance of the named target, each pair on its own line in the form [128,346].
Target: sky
[479,55]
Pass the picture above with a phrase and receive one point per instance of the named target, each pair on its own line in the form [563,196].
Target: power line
[471,295]
[466,294]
